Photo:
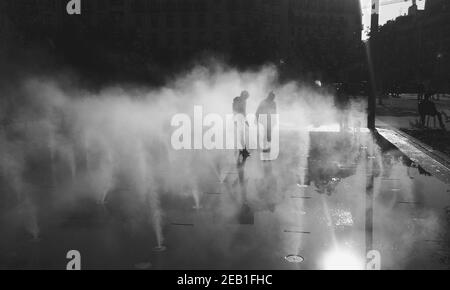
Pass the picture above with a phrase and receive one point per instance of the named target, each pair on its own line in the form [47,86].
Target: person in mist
[240,122]
[342,103]
[265,119]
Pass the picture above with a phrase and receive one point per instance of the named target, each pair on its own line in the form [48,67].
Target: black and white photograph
[224,140]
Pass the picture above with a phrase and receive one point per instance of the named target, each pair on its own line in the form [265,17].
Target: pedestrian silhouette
[240,123]
[427,108]
[266,120]
[420,91]
[342,103]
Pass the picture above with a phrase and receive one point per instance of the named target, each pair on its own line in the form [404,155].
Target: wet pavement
[435,162]
[328,200]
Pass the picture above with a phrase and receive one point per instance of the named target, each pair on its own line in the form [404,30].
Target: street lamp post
[373,85]
[370,178]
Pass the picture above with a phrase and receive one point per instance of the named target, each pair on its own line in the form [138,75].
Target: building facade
[415,48]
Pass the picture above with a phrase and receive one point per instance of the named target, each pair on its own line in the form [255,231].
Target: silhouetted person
[420,91]
[241,123]
[264,118]
[342,103]
[428,108]
[397,91]
[429,92]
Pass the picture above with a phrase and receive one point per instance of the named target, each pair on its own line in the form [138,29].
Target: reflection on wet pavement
[328,200]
